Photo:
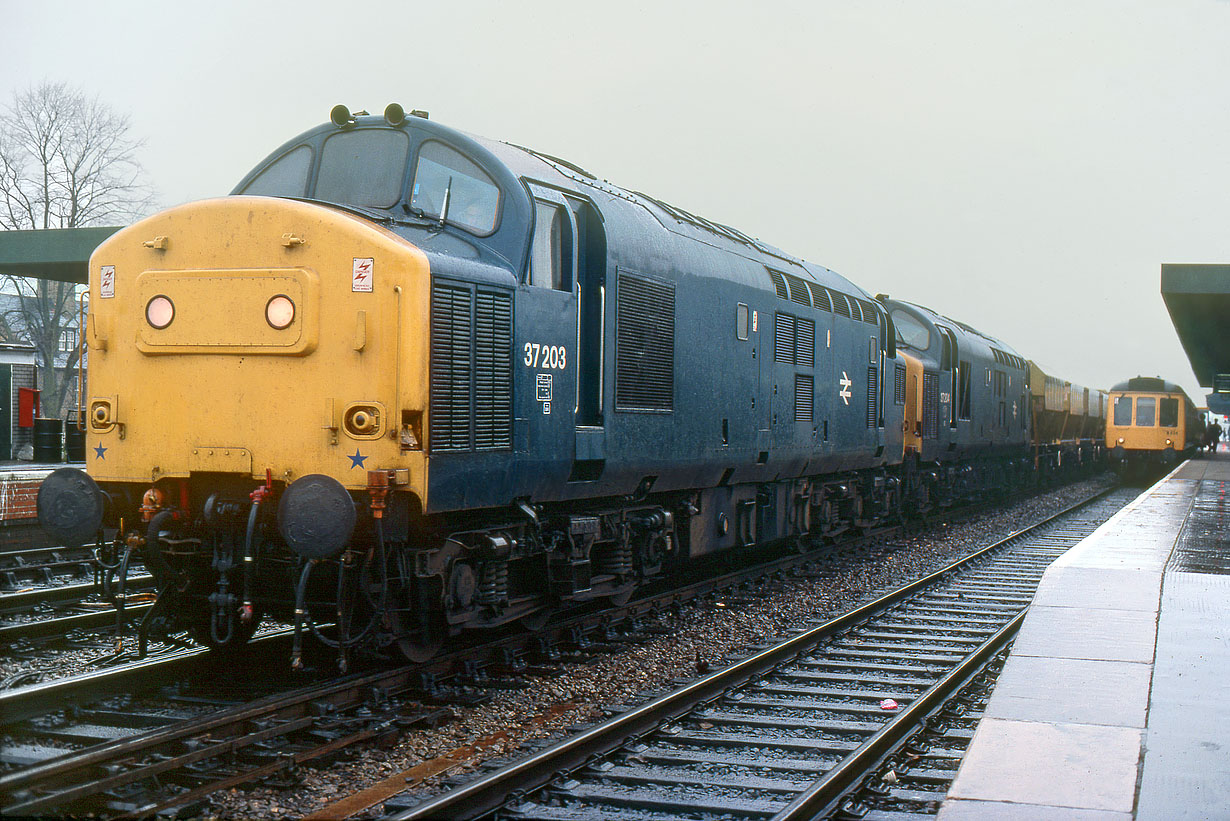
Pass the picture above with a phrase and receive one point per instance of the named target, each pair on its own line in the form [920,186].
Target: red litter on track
[889,704]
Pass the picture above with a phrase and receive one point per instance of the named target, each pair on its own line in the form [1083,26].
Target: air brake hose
[249,562]
[296,653]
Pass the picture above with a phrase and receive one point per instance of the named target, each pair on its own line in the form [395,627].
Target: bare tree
[66,161]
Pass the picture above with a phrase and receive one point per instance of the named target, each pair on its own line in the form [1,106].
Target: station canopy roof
[1198,299]
[62,254]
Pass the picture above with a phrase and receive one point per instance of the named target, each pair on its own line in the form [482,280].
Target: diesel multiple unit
[1151,423]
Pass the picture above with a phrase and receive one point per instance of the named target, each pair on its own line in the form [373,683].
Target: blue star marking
[357,460]
[99,452]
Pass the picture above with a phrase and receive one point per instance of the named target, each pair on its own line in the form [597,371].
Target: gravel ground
[702,634]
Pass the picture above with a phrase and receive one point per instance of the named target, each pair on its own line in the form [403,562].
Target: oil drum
[74,442]
[47,440]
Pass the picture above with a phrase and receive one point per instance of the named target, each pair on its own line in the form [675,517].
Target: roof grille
[820,297]
[840,305]
[798,290]
[869,311]
[779,283]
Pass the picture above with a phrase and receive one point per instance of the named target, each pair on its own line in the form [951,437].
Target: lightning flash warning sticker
[106,282]
[361,277]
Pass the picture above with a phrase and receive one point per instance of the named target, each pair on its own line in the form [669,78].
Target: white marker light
[159,312]
[280,312]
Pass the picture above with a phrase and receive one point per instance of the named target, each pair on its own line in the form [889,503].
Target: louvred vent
[471,369]
[804,397]
[645,344]
[931,406]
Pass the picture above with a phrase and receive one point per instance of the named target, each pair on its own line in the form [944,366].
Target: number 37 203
[546,356]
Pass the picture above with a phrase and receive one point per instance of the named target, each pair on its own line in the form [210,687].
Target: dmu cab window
[450,187]
[286,177]
[1146,407]
[363,167]
[1123,411]
[1168,412]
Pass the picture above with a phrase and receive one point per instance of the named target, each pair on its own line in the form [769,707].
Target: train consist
[408,382]
[1152,424]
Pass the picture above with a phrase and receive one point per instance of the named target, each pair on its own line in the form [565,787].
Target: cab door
[546,340]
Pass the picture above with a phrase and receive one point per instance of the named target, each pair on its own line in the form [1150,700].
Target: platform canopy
[62,254]
[1198,299]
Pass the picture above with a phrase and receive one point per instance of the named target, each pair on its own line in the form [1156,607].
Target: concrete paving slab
[1077,691]
[1186,772]
[1100,588]
[1094,634]
[1003,811]
[1075,766]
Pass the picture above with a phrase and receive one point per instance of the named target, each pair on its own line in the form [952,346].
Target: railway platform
[1112,703]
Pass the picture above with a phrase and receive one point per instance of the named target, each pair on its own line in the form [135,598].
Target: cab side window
[549,257]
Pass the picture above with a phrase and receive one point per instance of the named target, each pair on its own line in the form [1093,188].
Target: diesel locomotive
[1152,425]
[406,382]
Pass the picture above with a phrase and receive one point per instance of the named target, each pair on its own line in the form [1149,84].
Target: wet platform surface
[1113,703]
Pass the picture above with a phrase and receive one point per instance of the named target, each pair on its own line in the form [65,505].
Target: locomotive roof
[1148,384]
[528,162]
[935,316]
[535,165]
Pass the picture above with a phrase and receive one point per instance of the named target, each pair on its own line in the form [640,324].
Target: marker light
[159,312]
[280,312]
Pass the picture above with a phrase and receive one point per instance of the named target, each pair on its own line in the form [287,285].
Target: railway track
[911,783]
[58,594]
[789,731]
[145,768]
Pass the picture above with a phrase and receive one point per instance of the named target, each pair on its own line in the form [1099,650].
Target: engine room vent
[869,312]
[804,397]
[804,343]
[899,385]
[820,297]
[645,344]
[798,290]
[931,406]
[873,395]
[471,369]
[840,306]
[783,339]
[492,371]
[779,283]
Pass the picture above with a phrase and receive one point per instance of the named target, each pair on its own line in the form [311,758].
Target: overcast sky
[1021,166]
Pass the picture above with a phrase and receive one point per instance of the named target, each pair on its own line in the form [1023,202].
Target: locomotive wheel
[623,596]
[419,651]
[535,621]
[417,642]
